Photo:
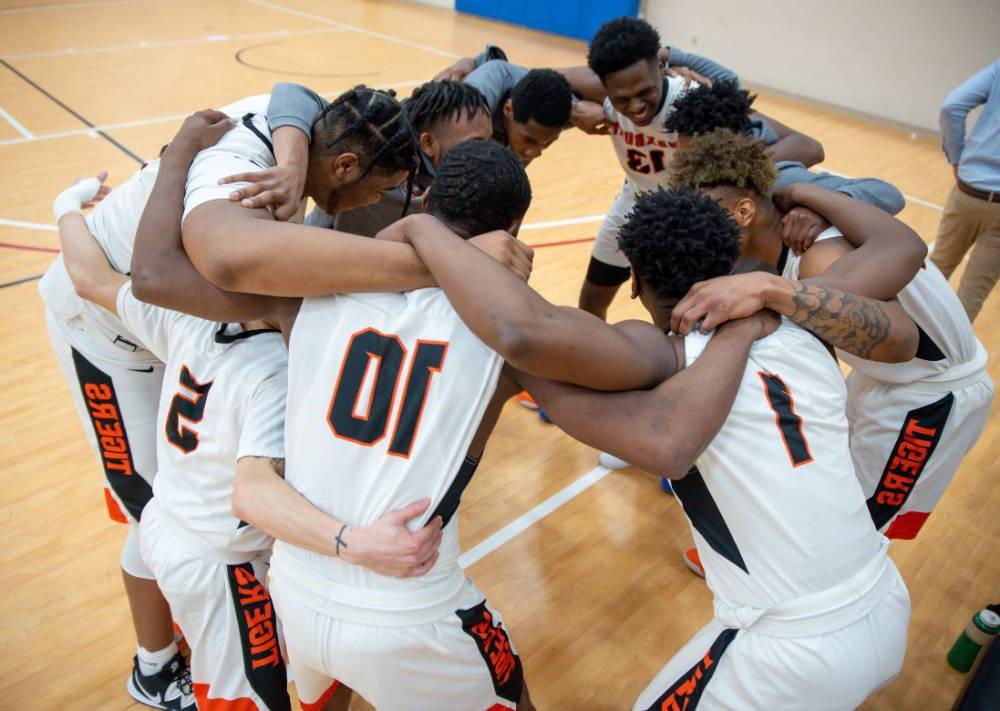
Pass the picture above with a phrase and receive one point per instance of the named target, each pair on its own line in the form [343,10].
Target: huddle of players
[358,480]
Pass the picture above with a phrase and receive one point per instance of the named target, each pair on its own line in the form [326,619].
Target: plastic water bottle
[983,627]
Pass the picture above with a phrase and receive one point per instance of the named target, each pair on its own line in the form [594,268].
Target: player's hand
[280,187]
[711,303]
[508,250]
[202,130]
[82,194]
[457,71]
[689,75]
[388,547]
[588,116]
[799,228]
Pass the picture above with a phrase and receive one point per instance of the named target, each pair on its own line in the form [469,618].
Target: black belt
[988,196]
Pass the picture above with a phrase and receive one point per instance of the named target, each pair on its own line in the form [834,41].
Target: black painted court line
[75,114]
[21,281]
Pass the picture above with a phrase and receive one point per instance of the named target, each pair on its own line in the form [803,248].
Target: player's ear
[508,109]
[346,167]
[635,286]
[744,211]
[429,146]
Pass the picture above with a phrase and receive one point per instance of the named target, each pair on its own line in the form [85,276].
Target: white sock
[152,662]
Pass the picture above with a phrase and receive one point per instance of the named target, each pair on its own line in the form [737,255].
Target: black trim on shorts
[493,643]
[101,401]
[603,274]
[453,496]
[918,438]
[262,661]
[686,692]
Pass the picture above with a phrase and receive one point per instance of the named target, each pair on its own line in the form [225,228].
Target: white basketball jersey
[223,398]
[776,509]
[115,220]
[948,347]
[644,151]
[386,392]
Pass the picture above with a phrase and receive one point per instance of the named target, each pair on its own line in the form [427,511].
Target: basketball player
[386,392]
[724,105]
[638,100]
[526,114]
[116,381]
[442,113]
[810,612]
[911,422]
[221,418]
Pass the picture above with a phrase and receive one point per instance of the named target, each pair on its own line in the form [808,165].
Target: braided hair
[437,101]
[371,124]
[481,186]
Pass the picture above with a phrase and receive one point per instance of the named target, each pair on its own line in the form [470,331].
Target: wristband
[72,198]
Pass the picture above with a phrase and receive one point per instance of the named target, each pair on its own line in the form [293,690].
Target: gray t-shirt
[873,191]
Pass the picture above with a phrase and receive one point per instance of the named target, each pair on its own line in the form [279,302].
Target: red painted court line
[564,242]
[29,248]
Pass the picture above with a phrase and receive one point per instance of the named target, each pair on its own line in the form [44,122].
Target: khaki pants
[967,221]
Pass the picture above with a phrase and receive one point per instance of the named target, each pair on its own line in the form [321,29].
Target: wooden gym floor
[594,590]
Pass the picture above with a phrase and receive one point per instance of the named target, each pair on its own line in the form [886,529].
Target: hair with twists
[676,238]
[702,110]
[723,158]
[437,101]
[480,187]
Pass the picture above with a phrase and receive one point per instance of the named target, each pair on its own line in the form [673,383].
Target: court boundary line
[353,28]
[207,39]
[79,117]
[532,516]
[17,125]
[93,131]
[73,5]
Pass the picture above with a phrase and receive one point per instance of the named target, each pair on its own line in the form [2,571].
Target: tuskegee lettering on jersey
[644,151]
[948,348]
[386,392]
[776,510]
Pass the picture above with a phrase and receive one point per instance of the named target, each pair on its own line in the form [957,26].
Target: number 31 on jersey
[363,397]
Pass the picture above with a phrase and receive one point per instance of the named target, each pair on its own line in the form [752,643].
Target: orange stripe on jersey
[207,704]
[906,526]
[114,510]
[322,700]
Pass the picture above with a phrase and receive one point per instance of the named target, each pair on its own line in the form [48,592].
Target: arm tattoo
[854,324]
[278,465]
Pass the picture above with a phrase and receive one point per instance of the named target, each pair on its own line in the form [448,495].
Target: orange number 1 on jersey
[363,417]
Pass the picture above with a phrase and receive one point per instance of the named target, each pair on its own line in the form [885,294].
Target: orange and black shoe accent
[98,392]
[686,692]
[262,661]
[919,435]
[494,646]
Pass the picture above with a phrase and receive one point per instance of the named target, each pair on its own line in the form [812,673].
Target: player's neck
[258,325]
[764,234]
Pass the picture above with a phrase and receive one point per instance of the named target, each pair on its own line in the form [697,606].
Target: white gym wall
[893,59]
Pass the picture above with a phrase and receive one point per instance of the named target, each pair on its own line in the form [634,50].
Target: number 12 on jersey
[363,417]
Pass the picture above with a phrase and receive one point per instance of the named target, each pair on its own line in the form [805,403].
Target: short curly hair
[542,95]
[621,43]
[722,157]
[702,110]
[676,238]
[480,186]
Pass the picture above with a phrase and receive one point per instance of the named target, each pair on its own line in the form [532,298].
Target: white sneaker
[612,462]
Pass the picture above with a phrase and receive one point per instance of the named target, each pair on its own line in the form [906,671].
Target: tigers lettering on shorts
[785,538]
[223,398]
[386,392]
[912,423]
